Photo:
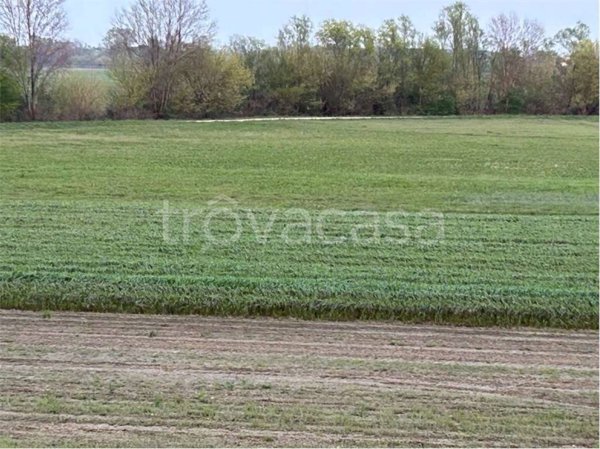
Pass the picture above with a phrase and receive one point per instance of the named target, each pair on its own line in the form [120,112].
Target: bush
[445,104]
[10,99]
[79,96]
[515,101]
[212,85]
[297,100]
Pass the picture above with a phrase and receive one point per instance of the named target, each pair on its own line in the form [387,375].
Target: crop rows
[81,226]
[484,269]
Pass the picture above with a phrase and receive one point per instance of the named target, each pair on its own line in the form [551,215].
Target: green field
[81,227]
[97,74]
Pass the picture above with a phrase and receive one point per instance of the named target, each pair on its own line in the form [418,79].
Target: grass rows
[81,228]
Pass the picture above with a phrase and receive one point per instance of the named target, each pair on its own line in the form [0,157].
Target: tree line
[162,63]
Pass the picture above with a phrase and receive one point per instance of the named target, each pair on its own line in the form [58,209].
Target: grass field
[98,74]
[81,227]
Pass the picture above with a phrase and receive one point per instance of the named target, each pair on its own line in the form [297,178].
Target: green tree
[397,44]
[584,72]
[10,97]
[537,91]
[268,72]
[432,65]
[459,32]
[298,90]
[569,38]
[348,65]
[131,79]
[213,83]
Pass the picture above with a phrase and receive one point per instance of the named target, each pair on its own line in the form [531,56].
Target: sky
[90,19]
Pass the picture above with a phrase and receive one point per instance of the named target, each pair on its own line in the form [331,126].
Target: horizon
[91,19]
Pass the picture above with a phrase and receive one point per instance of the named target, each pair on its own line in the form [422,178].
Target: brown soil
[123,380]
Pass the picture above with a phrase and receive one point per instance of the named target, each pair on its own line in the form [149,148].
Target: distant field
[102,74]
[81,228]
[101,77]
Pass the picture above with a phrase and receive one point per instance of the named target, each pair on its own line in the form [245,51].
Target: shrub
[445,104]
[79,96]
[212,85]
[10,99]
[515,101]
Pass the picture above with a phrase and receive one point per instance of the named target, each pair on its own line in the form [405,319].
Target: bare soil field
[72,379]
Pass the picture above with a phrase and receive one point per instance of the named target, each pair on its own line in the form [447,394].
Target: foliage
[516,50]
[153,40]
[397,44]
[584,63]
[131,88]
[10,97]
[459,32]
[163,63]
[36,29]
[348,62]
[431,67]
[567,39]
[212,84]
[78,96]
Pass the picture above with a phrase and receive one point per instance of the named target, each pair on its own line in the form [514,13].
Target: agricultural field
[95,380]
[472,221]
[97,74]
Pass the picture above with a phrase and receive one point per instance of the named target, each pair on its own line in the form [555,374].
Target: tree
[432,64]
[514,46]
[296,35]
[537,91]
[584,71]
[298,89]
[348,65]
[268,71]
[36,28]
[568,38]
[577,69]
[212,84]
[153,39]
[459,32]
[506,65]
[10,98]
[536,84]
[397,42]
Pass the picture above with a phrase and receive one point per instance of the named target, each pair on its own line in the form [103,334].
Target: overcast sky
[90,19]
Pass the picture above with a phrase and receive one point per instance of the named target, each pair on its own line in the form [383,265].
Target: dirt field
[120,380]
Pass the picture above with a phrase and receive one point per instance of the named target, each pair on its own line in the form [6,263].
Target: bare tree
[514,46]
[36,28]
[154,37]
[507,62]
